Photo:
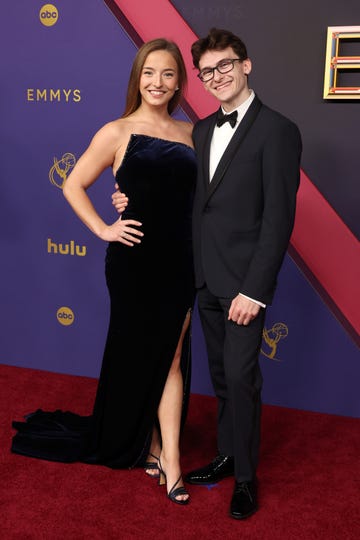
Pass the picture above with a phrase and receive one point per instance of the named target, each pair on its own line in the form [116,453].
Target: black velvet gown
[151,290]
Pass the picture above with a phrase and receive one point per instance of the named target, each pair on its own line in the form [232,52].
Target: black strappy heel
[151,465]
[174,491]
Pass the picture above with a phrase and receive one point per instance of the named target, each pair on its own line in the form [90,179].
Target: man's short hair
[217,40]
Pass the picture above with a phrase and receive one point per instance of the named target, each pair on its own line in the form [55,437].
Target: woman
[144,380]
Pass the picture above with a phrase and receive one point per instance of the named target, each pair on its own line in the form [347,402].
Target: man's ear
[247,66]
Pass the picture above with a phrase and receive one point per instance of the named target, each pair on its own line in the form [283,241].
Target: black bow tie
[222,118]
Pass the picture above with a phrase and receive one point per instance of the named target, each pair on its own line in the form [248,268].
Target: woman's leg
[169,414]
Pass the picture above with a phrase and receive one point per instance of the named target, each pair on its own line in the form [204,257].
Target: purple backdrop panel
[316,365]
[59,85]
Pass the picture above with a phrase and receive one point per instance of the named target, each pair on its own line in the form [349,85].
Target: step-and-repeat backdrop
[64,72]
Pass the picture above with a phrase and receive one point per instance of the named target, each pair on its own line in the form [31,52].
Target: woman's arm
[98,156]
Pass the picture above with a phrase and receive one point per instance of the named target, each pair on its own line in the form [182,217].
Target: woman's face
[159,78]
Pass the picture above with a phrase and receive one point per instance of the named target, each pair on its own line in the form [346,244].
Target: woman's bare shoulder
[184,131]
[111,135]
[114,128]
[186,126]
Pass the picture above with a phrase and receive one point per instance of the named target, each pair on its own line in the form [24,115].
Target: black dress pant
[233,354]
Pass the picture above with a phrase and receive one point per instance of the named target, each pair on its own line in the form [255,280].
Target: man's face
[230,88]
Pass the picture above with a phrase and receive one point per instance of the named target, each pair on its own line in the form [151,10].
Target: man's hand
[243,310]
[119,200]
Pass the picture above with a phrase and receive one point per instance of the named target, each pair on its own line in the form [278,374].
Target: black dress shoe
[244,500]
[219,468]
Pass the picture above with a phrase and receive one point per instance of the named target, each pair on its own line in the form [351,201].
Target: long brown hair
[133,98]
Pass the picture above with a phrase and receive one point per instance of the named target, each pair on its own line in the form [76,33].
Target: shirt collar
[241,109]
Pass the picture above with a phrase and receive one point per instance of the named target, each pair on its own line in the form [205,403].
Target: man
[248,160]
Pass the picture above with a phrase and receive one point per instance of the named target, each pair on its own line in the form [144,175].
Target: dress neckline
[159,139]
[134,135]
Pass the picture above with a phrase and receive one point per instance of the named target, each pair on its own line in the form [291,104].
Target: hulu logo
[66,249]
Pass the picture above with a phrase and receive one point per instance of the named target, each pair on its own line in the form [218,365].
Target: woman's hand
[123,231]
[119,200]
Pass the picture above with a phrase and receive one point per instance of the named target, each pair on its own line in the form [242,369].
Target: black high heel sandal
[151,465]
[174,491]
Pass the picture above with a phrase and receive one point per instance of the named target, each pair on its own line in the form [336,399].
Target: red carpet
[309,477]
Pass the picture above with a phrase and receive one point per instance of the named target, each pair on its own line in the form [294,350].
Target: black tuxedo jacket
[243,219]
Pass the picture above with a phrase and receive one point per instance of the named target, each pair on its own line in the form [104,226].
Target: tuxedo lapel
[206,151]
[232,147]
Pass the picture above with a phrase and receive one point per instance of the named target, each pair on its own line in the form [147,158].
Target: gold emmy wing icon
[271,339]
[61,169]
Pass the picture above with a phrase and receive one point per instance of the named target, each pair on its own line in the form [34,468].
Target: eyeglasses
[224,66]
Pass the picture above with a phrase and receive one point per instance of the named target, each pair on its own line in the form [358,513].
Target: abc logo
[65,316]
[48,15]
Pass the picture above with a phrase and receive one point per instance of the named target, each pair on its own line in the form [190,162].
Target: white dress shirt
[222,135]
[219,142]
